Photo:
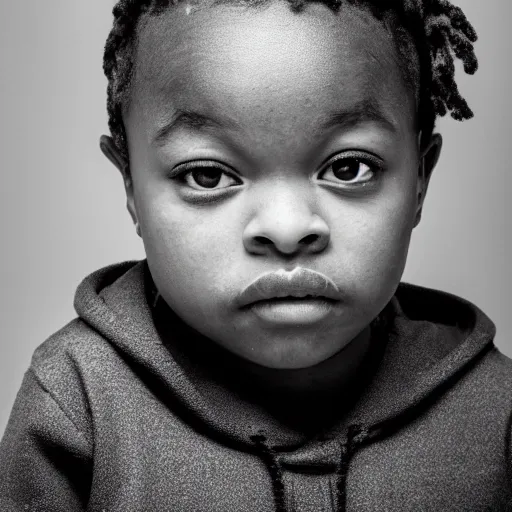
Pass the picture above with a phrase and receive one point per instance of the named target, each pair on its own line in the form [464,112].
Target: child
[265,356]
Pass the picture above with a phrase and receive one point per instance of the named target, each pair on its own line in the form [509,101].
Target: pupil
[345,169]
[208,178]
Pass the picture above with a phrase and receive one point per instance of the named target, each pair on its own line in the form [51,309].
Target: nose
[284,223]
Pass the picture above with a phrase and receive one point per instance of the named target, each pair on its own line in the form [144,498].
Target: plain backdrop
[62,204]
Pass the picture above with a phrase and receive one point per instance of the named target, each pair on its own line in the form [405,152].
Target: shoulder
[59,365]
[499,371]
[67,350]
[486,392]
[494,369]
[486,384]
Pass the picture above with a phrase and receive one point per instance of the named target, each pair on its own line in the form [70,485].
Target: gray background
[62,208]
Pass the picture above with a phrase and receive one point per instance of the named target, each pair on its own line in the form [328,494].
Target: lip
[298,283]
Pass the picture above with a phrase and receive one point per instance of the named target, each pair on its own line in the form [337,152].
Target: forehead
[246,59]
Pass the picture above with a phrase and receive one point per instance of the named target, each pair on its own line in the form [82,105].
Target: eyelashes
[205,175]
[351,170]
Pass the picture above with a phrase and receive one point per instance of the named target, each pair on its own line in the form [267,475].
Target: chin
[294,357]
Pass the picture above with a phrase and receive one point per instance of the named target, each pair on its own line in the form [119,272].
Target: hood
[429,340]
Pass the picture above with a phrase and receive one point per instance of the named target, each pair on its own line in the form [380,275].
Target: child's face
[271,80]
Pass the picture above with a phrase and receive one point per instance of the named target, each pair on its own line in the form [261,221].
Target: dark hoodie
[120,411]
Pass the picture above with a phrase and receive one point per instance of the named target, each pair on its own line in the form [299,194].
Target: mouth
[300,296]
[293,311]
[292,299]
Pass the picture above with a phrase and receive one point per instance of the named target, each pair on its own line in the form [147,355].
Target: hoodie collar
[434,338]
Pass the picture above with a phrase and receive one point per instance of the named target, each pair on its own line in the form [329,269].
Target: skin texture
[278,76]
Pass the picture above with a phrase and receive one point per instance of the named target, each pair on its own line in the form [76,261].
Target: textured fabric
[128,409]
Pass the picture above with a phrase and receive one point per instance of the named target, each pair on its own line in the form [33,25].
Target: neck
[323,377]
[301,398]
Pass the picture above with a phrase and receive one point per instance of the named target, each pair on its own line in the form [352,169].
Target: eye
[352,170]
[204,176]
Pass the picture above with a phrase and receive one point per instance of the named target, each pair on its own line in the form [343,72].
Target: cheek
[374,242]
[188,250]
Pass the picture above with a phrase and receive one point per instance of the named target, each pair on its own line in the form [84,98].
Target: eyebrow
[361,113]
[190,120]
[364,112]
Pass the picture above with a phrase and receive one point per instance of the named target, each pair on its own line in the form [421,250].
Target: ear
[428,160]
[110,150]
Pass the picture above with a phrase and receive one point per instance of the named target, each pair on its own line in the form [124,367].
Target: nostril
[309,239]
[262,240]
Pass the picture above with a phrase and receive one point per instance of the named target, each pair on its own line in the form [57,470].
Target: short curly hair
[431,33]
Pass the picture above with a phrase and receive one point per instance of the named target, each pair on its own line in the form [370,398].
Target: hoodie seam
[57,401]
